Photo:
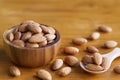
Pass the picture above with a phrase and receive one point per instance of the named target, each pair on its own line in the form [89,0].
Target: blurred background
[62,14]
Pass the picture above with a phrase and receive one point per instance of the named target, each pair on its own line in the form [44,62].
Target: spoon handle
[113,54]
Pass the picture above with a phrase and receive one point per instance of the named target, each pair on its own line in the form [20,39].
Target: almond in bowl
[31,44]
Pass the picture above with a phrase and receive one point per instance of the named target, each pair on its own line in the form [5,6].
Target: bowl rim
[57,39]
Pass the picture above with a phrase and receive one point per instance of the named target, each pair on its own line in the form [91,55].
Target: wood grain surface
[72,18]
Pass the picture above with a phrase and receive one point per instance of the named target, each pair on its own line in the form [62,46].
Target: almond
[44,75]
[27,22]
[92,49]
[57,64]
[15,29]
[31,45]
[23,27]
[103,28]
[117,69]
[34,27]
[94,67]
[43,43]
[94,36]
[37,39]
[14,71]
[110,44]
[17,35]
[65,71]
[10,36]
[26,36]
[71,60]
[51,30]
[48,30]
[105,63]
[71,50]
[87,59]
[50,37]
[19,43]
[97,58]
[79,41]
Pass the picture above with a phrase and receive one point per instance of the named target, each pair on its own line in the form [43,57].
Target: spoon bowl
[110,57]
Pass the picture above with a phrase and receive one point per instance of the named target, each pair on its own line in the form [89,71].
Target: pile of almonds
[95,62]
[31,34]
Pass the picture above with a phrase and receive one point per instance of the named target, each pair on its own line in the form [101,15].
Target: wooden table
[73,18]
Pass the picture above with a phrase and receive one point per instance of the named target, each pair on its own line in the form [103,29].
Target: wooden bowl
[31,57]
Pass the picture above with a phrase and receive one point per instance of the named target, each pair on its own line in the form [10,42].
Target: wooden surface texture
[72,18]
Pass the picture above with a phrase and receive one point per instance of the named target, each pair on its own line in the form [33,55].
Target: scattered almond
[92,49]
[79,41]
[104,29]
[14,71]
[65,71]
[94,36]
[57,64]
[71,60]
[71,50]
[44,75]
[110,44]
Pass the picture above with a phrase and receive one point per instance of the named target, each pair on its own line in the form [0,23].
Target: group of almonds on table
[92,62]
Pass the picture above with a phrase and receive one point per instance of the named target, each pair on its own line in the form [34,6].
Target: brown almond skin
[17,36]
[51,30]
[117,69]
[15,29]
[10,36]
[79,41]
[43,43]
[26,36]
[71,60]
[87,59]
[23,27]
[19,43]
[104,29]
[37,39]
[105,63]
[97,58]
[110,44]
[57,64]
[31,45]
[44,75]
[94,67]
[50,37]
[65,71]
[71,50]
[34,27]
[92,49]
[14,71]
[94,36]
[47,30]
